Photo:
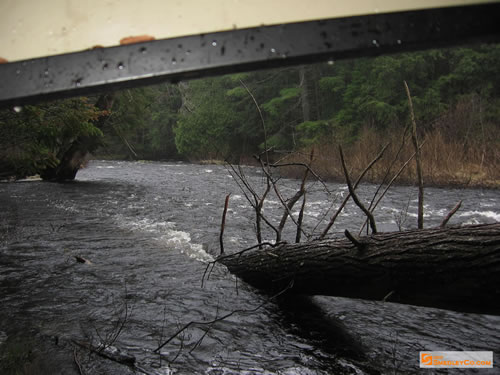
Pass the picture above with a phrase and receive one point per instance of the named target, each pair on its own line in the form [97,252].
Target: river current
[146,231]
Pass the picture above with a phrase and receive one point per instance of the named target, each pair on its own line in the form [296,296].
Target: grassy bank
[446,160]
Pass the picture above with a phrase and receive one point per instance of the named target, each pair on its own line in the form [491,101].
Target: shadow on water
[304,318]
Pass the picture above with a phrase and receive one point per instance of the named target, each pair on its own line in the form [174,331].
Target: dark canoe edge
[94,71]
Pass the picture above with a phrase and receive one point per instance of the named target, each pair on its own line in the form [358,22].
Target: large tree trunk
[455,268]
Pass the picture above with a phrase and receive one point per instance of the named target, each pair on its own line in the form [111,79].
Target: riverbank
[445,162]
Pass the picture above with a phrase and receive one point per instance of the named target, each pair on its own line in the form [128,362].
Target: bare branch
[353,194]
[278,194]
[308,167]
[223,224]
[420,219]
[222,257]
[354,240]
[257,202]
[299,220]
[450,214]
[77,362]
[261,119]
[223,317]
[390,184]
[290,205]
[389,169]
[337,213]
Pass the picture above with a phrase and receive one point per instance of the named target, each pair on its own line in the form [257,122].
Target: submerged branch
[210,323]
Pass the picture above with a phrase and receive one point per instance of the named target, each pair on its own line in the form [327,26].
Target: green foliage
[37,137]
[142,122]
[294,106]
[210,128]
[312,132]
[276,105]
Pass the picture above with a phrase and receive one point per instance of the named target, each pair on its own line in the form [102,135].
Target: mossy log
[455,268]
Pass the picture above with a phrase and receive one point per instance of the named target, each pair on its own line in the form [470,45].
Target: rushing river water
[147,231]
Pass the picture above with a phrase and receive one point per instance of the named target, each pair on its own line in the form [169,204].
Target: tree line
[455,91]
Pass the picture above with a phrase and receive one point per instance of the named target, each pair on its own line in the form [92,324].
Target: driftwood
[455,268]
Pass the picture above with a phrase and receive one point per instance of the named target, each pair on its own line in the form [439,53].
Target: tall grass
[459,149]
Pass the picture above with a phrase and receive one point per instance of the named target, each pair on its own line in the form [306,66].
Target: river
[147,231]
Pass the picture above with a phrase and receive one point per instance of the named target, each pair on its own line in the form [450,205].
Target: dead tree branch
[286,206]
[339,210]
[300,218]
[261,119]
[292,202]
[450,214]
[387,173]
[420,219]
[255,200]
[221,318]
[354,195]
[354,240]
[223,224]
[390,184]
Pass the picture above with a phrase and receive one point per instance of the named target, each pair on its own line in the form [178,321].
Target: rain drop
[78,82]
[46,73]
[399,41]
[331,62]
[143,50]
[214,43]
[18,71]
[120,65]
[174,61]
[17,109]
[273,50]
[375,43]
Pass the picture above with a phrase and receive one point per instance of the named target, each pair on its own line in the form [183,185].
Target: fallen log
[455,268]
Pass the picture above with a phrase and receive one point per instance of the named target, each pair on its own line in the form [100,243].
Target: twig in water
[75,358]
[211,322]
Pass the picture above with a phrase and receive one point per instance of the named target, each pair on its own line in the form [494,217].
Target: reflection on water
[148,230]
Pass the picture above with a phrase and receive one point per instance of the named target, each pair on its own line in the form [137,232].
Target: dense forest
[359,103]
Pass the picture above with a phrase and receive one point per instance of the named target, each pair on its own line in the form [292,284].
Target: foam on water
[165,232]
[182,241]
[489,214]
